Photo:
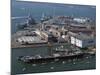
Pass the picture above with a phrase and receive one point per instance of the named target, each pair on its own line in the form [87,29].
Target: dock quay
[37,45]
[67,30]
[77,42]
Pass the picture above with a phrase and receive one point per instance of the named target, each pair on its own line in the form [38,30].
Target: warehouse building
[82,40]
[80,20]
[30,40]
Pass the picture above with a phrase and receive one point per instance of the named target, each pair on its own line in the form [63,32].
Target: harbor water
[20,9]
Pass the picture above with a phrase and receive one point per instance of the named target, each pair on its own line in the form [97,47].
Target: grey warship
[58,53]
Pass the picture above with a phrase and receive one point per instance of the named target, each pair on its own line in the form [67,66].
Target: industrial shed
[30,40]
[83,41]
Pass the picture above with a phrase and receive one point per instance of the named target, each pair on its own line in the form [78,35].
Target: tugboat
[63,54]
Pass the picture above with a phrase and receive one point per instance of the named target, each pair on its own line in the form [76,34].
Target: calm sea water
[20,9]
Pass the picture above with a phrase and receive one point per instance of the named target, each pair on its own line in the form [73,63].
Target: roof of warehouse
[29,38]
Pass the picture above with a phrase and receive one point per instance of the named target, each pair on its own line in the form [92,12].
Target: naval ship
[29,21]
[58,53]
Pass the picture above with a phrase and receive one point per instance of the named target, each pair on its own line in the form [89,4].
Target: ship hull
[51,58]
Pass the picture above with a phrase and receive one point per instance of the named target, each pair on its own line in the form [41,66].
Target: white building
[80,20]
[83,41]
[30,40]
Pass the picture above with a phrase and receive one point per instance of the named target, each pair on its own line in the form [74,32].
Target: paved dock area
[15,44]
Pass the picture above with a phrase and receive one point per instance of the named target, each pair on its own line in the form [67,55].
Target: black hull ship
[31,59]
[58,54]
